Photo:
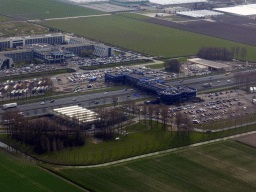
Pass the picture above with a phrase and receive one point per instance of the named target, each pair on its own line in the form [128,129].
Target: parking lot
[33,68]
[95,79]
[122,57]
[216,106]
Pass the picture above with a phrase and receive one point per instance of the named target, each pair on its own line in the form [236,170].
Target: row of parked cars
[33,68]
[106,60]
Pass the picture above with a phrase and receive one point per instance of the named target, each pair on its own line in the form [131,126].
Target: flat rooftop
[77,45]
[244,10]
[175,2]
[32,36]
[199,13]
[15,51]
[208,63]
[76,113]
[137,76]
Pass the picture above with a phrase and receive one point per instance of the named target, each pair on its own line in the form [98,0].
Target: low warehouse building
[76,114]
[200,13]
[212,65]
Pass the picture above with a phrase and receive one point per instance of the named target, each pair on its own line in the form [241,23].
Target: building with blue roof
[165,93]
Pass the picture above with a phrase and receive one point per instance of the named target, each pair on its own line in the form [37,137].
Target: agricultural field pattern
[43,9]
[222,166]
[135,34]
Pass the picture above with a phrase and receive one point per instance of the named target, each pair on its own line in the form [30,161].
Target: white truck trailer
[9,105]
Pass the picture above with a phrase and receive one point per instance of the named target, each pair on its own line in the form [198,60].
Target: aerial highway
[102,98]
[88,100]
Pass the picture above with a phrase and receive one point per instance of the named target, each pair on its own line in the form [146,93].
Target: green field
[17,174]
[19,28]
[43,9]
[222,166]
[140,36]
[2,19]
[136,143]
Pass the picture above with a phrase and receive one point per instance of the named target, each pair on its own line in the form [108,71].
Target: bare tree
[151,112]
[179,122]
[237,52]
[233,49]
[157,112]
[243,53]
[164,114]
[145,107]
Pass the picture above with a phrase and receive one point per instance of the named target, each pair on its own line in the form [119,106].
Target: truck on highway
[9,105]
[207,85]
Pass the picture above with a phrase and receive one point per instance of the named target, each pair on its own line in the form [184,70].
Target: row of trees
[245,79]
[59,133]
[217,53]
[109,123]
[161,114]
[45,135]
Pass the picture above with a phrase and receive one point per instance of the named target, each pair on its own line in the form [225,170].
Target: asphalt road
[199,81]
[36,108]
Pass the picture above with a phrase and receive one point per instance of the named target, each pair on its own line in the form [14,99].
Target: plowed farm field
[236,29]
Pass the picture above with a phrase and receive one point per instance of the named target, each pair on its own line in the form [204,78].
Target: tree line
[245,79]
[161,114]
[45,135]
[217,53]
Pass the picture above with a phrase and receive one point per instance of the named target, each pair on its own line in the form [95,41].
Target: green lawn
[17,174]
[144,37]
[2,19]
[155,66]
[133,144]
[43,9]
[222,166]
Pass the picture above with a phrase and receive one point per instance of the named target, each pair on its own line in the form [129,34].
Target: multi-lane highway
[86,100]
[216,80]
